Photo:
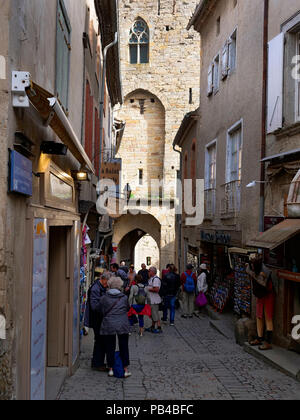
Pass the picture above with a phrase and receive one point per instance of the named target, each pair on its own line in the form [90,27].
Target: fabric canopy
[277,235]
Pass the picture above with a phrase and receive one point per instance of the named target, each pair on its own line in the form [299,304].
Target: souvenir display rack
[242,285]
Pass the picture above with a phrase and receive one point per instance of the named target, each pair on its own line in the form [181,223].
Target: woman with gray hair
[115,307]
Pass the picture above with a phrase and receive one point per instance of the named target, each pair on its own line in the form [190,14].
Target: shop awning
[53,115]
[241,251]
[277,235]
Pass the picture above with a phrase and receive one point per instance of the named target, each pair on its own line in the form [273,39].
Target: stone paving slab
[190,361]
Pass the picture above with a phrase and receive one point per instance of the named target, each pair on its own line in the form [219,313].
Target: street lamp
[253,183]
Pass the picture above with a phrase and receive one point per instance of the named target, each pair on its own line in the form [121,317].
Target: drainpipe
[179,217]
[103,93]
[264,117]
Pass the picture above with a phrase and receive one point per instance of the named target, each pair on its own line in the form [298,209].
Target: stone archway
[159,225]
[129,229]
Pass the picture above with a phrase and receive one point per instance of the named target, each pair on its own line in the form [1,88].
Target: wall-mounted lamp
[253,183]
[81,175]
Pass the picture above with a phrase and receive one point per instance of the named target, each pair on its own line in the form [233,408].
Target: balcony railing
[231,203]
[210,202]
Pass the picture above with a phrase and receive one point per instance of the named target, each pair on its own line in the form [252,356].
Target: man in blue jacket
[93,319]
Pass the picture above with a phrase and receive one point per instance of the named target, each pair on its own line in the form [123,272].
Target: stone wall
[167,88]
[5,345]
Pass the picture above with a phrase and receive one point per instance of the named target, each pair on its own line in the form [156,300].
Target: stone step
[284,360]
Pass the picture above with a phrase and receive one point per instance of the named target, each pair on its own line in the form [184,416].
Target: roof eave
[188,121]
[202,11]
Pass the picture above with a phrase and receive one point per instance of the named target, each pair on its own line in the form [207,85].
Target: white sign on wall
[2,68]
[39,310]
[2,327]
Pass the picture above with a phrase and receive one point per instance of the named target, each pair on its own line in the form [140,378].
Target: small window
[190,96]
[216,74]
[139,43]
[211,166]
[234,163]
[218,26]
[141,177]
[232,52]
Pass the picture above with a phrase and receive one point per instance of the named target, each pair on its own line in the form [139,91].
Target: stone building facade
[44,48]
[158,91]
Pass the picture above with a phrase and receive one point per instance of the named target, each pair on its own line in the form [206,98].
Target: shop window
[63,51]
[139,42]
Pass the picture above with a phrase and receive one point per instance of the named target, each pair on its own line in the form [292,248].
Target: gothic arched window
[139,42]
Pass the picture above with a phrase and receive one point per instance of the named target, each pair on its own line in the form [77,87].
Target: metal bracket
[20,81]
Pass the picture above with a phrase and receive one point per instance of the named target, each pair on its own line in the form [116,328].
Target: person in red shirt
[188,283]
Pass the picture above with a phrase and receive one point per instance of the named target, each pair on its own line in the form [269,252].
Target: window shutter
[225,61]
[210,80]
[275,83]
[63,48]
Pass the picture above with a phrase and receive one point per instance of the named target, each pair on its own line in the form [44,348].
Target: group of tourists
[121,298]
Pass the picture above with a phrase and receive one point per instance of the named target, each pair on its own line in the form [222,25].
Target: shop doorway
[58,333]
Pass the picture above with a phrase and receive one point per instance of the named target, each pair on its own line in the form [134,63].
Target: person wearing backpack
[156,300]
[139,301]
[169,289]
[189,283]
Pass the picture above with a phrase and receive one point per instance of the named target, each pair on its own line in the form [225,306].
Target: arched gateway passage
[130,229]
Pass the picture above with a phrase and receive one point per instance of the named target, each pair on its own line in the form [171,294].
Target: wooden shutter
[210,79]
[97,142]
[275,83]
[89,121]
[63,48]
[225,61]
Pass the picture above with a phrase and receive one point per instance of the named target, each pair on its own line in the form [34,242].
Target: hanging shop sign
[39,310]
[20,174]
[111,170]
[216,237]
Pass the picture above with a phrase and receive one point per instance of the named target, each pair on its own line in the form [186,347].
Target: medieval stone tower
[160,62]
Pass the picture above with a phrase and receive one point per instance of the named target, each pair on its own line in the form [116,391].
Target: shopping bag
[118,366]
[201,300]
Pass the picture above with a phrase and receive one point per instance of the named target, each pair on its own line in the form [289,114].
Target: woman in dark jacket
[114,307]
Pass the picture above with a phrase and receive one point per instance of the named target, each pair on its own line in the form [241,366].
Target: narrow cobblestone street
[190,361]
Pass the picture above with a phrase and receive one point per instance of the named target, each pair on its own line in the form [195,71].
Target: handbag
[118,366]
[201,300]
